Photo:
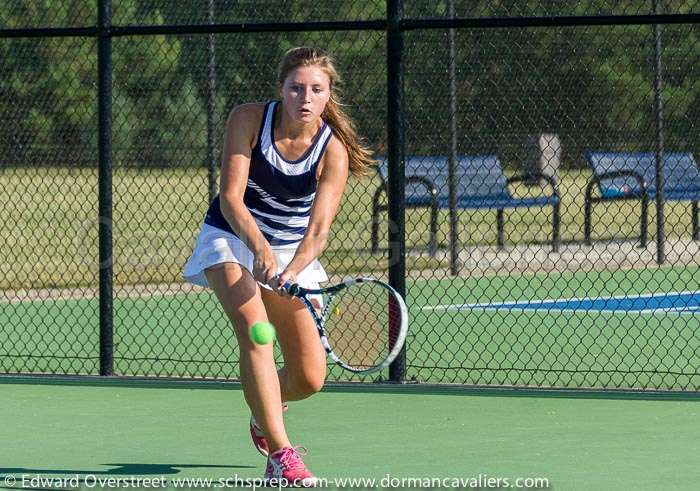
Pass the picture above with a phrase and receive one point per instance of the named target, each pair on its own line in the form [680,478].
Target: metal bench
[632,176]
[480,184]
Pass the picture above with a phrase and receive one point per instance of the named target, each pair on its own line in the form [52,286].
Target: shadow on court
[119,470]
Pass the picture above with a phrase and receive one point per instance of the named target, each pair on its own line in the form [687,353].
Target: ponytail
[359,155]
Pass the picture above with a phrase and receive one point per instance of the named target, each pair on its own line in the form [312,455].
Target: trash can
[543,156]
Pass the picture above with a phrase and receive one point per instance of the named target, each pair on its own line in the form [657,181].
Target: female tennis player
[284,168]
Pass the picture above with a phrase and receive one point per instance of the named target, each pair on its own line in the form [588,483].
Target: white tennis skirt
[216,246]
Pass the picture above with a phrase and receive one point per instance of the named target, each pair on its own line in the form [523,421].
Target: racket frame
[302,294]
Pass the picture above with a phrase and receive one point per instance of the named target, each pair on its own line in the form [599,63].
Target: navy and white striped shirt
[280,192]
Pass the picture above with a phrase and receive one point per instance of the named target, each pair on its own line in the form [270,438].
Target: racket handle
[274,282]
[291,288]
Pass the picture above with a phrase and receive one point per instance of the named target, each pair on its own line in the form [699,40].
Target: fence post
[211,109]
[452,161]
[658,106]
[104,109]
[396,192]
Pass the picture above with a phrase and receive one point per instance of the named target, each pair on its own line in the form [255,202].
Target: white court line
[514,305]
[687,311]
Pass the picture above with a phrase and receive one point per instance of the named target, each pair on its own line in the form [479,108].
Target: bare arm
[241,132]
[331,184]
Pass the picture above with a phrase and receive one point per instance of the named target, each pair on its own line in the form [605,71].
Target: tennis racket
[362,322]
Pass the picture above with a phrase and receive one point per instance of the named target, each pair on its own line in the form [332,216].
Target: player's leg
[305,362]
[239,295]
[303,374]
[304,370]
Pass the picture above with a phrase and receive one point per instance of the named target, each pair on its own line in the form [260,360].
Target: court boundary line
[515,305]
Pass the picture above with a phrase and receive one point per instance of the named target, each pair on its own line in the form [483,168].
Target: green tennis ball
[262,333]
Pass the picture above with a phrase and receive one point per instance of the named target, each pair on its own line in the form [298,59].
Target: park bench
[632,176]
[480,185]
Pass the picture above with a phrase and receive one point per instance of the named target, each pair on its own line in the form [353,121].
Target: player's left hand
[286,276]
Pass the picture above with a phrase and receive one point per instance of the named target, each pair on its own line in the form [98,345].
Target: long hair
[360,156]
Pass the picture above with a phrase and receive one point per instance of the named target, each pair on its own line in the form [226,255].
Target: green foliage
[594,86]
[48,91]
[162,119]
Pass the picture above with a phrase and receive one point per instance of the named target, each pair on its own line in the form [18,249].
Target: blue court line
[678,302]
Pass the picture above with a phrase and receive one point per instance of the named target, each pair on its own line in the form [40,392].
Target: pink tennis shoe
[285,468]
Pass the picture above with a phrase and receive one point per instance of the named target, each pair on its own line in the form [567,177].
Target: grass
[50,225]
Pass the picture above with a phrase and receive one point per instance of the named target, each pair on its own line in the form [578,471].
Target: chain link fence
[511,125]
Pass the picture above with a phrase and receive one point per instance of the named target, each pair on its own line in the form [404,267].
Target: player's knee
[309,383]
[310,387]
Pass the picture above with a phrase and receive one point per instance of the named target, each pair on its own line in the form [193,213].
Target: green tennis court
[172,431]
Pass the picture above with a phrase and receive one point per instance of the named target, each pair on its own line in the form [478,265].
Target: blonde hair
[360,156]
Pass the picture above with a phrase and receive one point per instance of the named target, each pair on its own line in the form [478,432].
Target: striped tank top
[280,192]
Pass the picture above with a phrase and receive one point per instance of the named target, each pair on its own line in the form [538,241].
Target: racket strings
[359,324]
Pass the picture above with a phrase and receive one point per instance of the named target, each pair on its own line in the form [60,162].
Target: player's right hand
[264,266]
